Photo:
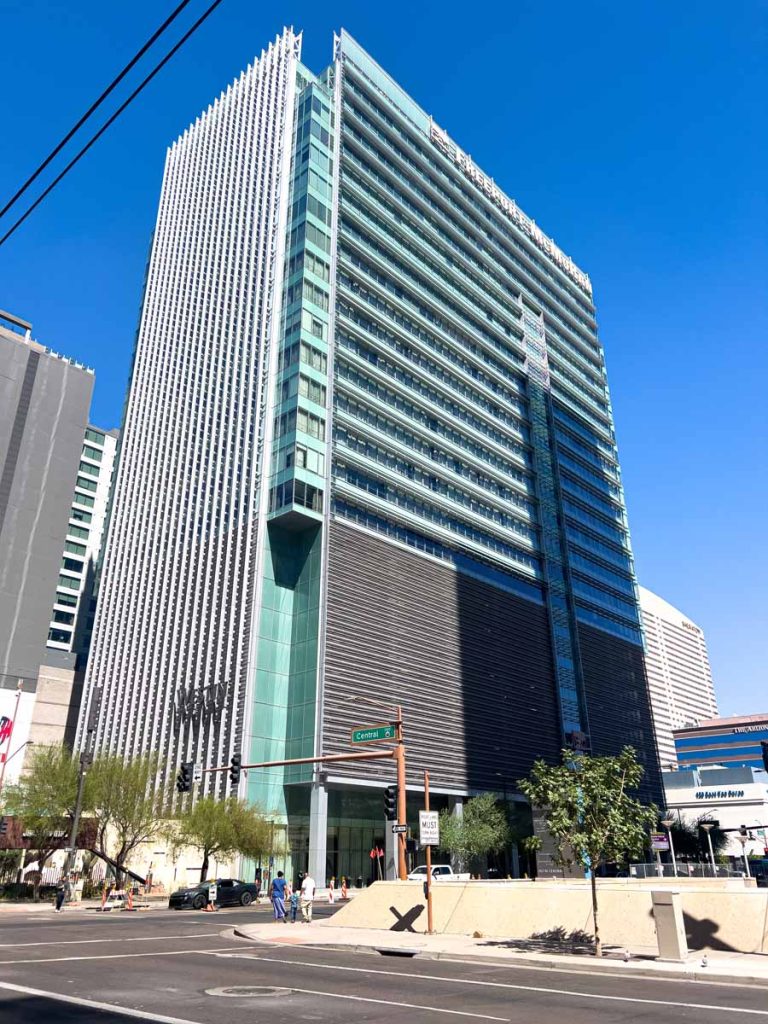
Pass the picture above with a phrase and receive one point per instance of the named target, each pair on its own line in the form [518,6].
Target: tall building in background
[679,676]
[44,402]
[368,458]
[74,600]
[736,742]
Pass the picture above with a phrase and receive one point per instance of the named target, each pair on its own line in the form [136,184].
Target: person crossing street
[278,897]
[308,889]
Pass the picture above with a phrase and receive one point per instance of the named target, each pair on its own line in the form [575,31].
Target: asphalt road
[188,967]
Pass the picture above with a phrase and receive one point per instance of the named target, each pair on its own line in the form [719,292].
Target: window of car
[442,870]
[225,883]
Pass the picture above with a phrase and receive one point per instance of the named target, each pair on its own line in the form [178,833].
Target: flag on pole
[6,728]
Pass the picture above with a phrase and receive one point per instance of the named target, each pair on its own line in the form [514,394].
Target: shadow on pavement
[21,1009]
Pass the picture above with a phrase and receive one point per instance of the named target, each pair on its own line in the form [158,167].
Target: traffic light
[764,748]
[743,830]
[3,826]
[184,778]
[235,769]
[390,803]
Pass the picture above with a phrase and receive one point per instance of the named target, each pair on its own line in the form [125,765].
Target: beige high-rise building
[679,676]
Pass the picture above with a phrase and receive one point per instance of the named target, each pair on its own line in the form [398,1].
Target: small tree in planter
[590,814]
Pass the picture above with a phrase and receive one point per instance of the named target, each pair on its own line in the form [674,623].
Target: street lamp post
[668,822]
[708,826]
[743,841]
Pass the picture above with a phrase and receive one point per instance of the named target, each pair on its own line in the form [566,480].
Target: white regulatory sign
[197,773]
[429,828]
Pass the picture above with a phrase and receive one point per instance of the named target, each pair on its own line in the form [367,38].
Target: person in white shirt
[307,895]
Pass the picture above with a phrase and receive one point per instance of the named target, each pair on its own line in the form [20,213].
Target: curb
[613,971]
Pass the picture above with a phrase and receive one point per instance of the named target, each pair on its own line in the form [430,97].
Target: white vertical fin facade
[172,634]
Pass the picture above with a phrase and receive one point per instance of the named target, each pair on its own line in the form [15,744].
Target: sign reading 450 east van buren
[374,734]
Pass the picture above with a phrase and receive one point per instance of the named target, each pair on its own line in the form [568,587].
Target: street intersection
[191,968]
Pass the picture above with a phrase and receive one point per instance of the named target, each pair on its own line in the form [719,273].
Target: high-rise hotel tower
[368,458]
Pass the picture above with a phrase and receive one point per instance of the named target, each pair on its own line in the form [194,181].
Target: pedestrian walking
[332,889]
[278,897]
[308,889]
[295,901]
[63,893]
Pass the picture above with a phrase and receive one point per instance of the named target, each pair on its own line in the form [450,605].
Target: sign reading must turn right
[429,828]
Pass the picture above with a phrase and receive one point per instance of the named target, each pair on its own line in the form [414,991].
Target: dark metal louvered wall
[619,704]
[469,662]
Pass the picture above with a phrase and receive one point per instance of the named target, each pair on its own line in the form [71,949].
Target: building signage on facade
[196,704]
[720,794]
[752,728]
[444,143]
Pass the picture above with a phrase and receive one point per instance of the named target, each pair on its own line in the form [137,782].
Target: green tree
[481,829]
[590,814]
[691,843]
[221,828]
[44,799]
[129,806]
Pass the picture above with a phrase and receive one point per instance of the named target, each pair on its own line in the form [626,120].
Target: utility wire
[113,118]
[113,85]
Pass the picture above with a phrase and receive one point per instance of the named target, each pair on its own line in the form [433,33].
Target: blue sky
[633,134]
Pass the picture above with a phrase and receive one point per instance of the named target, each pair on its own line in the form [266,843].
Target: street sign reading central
[374,734]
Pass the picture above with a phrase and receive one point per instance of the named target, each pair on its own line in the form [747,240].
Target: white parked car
[440,873]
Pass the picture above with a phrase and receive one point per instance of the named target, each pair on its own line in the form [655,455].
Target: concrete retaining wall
[716,918]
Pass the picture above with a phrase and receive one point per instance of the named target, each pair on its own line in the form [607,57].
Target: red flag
[373,854]
[6,728]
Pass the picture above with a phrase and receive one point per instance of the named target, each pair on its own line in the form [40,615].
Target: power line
[112,86]
[111,120]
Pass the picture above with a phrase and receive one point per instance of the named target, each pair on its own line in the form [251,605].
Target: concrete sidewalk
[27,906]
[735,968]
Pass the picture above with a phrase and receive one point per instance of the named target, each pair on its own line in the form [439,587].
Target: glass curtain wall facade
[435,515]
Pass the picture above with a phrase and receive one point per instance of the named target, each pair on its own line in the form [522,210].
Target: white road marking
[684,979]
[159,1018]
[112,956]
[390,1002]
[85,942]
[507,985]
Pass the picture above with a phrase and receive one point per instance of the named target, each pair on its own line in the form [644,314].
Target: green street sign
[374,734]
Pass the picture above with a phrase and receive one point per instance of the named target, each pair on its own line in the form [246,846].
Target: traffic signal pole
[397,754]
[402,870]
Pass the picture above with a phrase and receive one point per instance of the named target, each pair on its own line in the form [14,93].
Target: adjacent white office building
[679,676]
